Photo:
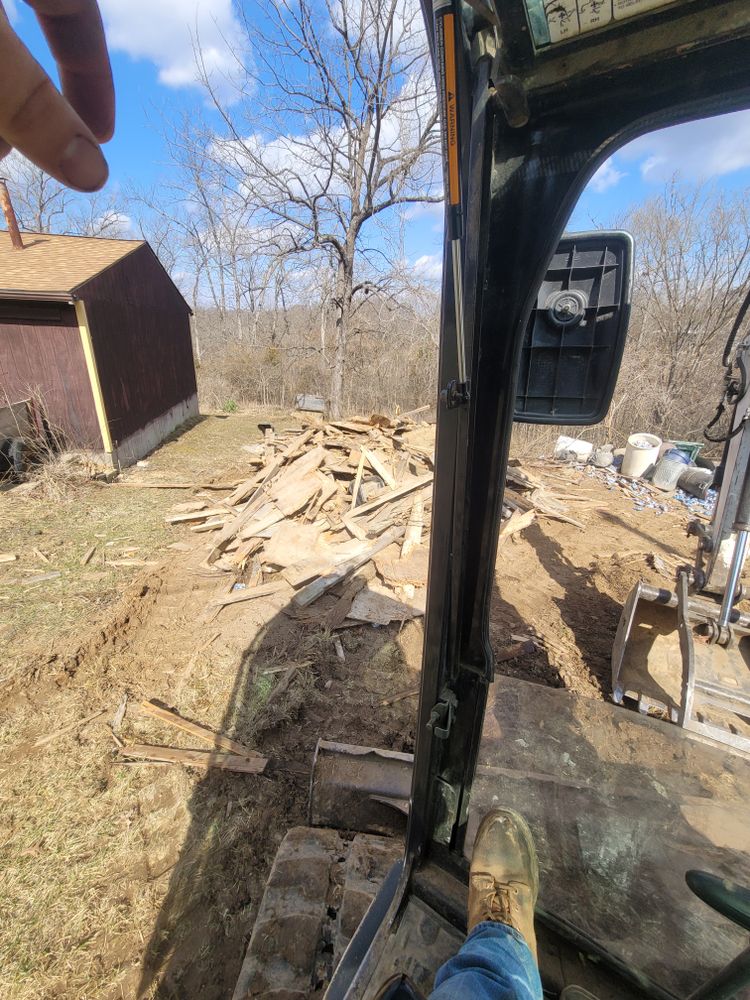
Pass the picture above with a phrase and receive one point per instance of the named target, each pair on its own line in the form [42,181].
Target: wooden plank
[318,587]
[137,484]
[380,606]
[517,500]
[347,425]
[413,413]
[336,617]
[245,489]
[400,491]
[41,578]
[284,547]
[307,570]
[265,590]
[411,693]
[378,467]
[217,740]
[414,526]
[197,758]
[292,496]
[233,526]
[188,506]
[88,555]
[245,550]
[515,523]
[358,479]
[260,524]
[197,515]
[211,525]
[131,562]
[398,572]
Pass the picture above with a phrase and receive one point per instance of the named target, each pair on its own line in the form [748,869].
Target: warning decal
[555,20]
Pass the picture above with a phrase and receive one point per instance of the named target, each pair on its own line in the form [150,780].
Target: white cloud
[431,209]
[698,150]
[166,32]
[429,267]
[11,9]
[606,176]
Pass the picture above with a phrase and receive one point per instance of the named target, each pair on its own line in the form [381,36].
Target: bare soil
[143,880]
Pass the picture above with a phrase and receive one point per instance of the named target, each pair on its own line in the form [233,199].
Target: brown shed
[96,330]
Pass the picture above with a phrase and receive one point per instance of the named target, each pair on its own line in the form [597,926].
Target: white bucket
[641,452]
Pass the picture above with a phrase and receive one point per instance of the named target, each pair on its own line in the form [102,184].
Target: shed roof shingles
[57,263]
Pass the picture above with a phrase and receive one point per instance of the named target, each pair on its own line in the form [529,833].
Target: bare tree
[43,205]
[692,269]
[333,126]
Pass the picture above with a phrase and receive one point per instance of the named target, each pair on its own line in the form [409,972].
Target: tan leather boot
[504,875]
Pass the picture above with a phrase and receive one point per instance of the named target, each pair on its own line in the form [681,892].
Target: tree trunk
[344,283]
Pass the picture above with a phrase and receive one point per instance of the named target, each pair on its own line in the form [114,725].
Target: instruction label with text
[556,20]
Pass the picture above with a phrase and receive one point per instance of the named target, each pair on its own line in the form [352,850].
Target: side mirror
[573,346]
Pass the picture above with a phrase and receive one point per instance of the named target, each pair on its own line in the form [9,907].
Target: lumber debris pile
[343,506]
[345,503]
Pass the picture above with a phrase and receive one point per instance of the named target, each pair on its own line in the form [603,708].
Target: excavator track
[318,890]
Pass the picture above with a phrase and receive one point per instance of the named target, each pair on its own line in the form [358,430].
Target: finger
[37,120]
[74,32]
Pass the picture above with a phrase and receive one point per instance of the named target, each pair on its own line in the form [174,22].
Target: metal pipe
[741,526]
[698,607]
[458,291]
[738,561]
[10,216]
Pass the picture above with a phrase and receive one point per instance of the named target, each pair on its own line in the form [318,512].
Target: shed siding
[41,356]
[140,329]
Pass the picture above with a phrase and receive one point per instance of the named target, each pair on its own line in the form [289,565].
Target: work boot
[504,874]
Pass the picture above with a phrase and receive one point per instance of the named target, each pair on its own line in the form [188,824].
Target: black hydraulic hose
[734,389]
[735,329]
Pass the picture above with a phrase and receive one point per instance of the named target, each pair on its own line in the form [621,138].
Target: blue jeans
[494,963]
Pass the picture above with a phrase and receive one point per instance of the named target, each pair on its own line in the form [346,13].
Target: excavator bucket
[646,657]
[664,660]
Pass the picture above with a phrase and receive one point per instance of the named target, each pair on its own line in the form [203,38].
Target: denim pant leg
[494,963]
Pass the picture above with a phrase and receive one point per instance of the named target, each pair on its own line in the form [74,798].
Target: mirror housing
[575,336]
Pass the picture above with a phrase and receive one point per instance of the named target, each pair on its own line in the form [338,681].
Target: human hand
[59,132]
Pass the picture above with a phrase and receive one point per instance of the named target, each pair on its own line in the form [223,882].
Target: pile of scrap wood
[345,502]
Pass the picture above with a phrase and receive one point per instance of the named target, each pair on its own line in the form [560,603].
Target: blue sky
[151,42]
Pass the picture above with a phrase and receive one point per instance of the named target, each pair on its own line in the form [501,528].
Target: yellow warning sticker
[451,110]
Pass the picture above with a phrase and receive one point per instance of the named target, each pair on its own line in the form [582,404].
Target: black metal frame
[520,185]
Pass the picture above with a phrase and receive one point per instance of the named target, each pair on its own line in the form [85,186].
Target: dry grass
[87,844]
[68,512]
[72,842]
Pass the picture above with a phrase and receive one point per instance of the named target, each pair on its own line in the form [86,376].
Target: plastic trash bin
[668,469]
[641,453]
